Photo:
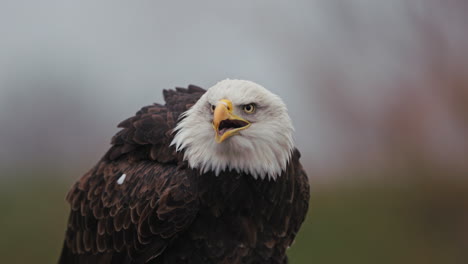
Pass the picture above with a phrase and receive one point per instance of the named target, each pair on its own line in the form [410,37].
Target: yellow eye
[249,108]
[213,108]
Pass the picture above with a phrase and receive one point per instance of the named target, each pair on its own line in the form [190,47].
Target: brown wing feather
[134,221]
[149,132]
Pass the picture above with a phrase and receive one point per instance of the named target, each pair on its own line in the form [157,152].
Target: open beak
[225,123]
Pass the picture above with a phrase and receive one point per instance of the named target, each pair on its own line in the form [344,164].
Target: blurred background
[377,90]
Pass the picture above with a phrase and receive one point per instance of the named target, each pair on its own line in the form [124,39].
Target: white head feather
[261,150]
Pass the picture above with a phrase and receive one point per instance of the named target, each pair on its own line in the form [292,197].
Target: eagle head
[236,125]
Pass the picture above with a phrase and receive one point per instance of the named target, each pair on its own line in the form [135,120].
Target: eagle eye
[249,108]
[212,108]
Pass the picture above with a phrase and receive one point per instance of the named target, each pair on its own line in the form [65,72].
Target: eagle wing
[139,196]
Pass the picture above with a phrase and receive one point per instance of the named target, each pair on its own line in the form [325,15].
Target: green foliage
[382,224]
[33,220]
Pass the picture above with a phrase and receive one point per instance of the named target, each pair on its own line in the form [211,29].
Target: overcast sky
[71,70]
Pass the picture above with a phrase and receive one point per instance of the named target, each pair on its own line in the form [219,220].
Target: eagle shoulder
[148,134]
[139,196]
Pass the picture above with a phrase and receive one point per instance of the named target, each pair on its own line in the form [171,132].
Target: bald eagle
[210,177]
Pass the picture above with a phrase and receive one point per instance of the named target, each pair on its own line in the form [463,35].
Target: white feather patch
[121,179]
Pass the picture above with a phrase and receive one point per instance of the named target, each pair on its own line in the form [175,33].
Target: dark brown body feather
[165,212]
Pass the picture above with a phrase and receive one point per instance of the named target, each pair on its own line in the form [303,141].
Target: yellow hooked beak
[225,123]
